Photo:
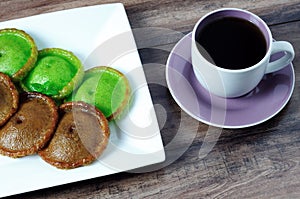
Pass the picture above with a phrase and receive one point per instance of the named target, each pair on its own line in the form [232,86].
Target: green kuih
[18,53]
[106,88]
[57,73]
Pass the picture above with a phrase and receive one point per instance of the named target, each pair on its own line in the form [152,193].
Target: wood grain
[256,162]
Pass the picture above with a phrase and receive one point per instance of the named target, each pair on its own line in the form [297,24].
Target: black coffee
[232,43]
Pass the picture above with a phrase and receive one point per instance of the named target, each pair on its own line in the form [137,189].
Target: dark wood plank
[256,162]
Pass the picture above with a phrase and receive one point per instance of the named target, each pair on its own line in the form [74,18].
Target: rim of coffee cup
[266,32]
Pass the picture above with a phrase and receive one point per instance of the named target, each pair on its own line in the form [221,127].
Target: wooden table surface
[255,162]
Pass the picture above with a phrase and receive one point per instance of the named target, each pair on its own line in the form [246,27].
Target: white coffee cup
[231,83]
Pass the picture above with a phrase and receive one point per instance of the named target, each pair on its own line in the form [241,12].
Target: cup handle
[289,54]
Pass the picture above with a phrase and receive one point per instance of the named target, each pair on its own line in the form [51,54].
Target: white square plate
[98,35]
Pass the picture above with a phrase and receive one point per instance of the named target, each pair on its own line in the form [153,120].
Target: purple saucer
[261,104]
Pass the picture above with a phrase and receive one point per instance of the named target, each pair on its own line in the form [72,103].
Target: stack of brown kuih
[69,135]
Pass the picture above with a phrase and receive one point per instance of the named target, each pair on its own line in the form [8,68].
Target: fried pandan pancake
[18,53]
[56,74]
[9,98]
[81,136]
[31,127]
[106,88]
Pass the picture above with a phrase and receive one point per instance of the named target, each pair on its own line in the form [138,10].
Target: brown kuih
[31,127]
[9,98]
[81,136]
